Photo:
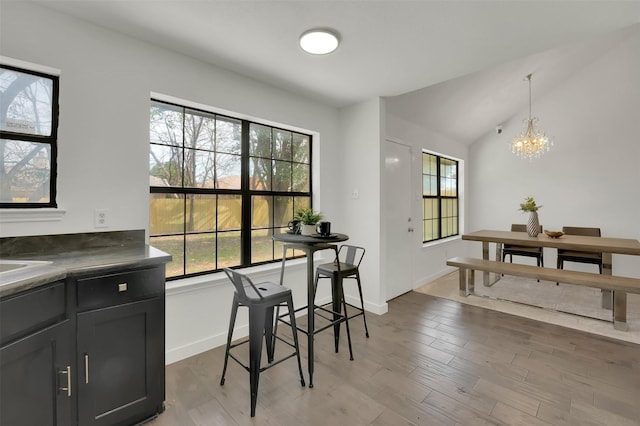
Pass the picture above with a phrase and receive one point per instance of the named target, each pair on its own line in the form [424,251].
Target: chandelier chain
[529,79]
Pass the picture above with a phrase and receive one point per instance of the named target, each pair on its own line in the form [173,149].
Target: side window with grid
[221,187]
[440,218]
[28,138]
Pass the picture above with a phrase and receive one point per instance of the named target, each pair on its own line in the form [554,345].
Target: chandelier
[531,143]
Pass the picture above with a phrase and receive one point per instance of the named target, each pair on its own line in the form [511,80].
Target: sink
[17,275]
[6,267]
[9,266]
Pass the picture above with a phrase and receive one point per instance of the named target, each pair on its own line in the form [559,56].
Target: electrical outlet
[101,218]
[355,194]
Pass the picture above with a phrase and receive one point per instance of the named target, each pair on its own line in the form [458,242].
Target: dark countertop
[76,254]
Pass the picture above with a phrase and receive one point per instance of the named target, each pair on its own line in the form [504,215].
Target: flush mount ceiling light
[319,41]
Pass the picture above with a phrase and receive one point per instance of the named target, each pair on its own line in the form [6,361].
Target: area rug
[567,305]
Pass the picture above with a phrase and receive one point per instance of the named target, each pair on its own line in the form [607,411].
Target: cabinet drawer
[121,287]
[29,311]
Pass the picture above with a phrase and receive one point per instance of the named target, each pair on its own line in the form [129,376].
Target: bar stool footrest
[360,311]
[341,318]
[266,367]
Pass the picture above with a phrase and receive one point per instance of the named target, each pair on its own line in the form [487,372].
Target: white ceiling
[388,47]
[467,108]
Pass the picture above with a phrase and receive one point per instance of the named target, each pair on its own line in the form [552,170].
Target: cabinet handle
[122,287]
[67,371]
[86,368]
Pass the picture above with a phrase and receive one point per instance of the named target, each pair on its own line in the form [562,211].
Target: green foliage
[308,217]
[529,205]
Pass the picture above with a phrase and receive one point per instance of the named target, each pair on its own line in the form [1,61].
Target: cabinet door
[35,379]
[121,358]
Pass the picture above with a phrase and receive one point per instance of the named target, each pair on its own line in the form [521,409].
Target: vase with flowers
[533,224]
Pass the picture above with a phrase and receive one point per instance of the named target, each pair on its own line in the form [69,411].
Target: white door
[399,223]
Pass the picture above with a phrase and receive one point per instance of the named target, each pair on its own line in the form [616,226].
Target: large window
[440,218]
[221,187]
[28,135]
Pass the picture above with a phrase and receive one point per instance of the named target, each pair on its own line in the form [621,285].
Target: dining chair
[513,250]
[260,299]
[345,266]
[580,256]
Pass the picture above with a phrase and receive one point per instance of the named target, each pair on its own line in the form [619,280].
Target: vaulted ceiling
[388,48]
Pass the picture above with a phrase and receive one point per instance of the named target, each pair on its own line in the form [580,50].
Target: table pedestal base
[336,316]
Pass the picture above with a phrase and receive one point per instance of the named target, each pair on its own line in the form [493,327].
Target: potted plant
[533,224]
[308,220]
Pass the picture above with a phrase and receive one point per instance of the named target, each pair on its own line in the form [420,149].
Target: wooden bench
[620,286]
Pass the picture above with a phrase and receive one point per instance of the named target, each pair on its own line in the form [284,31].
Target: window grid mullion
[184,206]
[245,232]
[438,192]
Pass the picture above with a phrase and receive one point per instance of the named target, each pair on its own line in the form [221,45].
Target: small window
[440,217]
[28,138]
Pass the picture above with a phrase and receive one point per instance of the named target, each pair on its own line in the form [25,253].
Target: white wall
[430,259]
[105,84]
[360,163]
[106,81]
[591,177]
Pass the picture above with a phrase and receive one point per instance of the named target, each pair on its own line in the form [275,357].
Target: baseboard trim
[179,353]
[194,348]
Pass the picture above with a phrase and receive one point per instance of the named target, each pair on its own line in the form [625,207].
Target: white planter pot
[308,229]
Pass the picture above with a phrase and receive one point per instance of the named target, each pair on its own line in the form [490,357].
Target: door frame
[411,205]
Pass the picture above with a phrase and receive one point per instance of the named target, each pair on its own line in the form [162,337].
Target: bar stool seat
[260,299]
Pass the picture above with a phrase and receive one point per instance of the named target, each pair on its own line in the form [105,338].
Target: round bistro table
[309,244]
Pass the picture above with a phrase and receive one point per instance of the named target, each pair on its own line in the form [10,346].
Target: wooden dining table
[605,245]
[309,244]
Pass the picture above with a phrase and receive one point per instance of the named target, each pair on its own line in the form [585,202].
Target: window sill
[441,242]
[31,215]
[257,273]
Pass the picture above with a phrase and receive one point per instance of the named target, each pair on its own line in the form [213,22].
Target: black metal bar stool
[346,265]
[319,318]
[260,299]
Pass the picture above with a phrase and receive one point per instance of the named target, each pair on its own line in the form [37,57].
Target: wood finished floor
[429,361]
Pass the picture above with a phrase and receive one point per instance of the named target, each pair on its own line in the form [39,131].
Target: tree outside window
[28,138]
[221,187]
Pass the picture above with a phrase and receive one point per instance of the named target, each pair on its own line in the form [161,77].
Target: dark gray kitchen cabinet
[87,351]
[36,370]
[120,347]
